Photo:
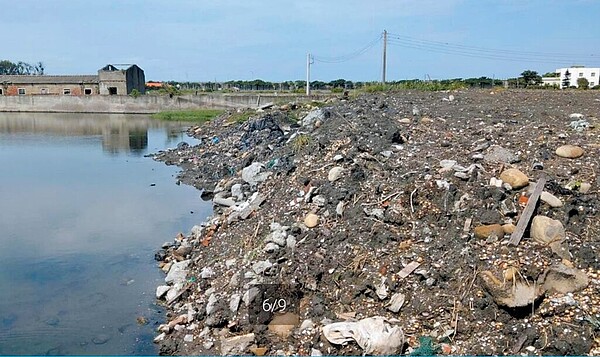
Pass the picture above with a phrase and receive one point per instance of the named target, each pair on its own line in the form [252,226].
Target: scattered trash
[375,335]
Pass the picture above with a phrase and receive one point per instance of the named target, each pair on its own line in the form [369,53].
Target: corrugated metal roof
[44,79]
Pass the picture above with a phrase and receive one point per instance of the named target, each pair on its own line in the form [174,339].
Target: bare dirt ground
[390,205]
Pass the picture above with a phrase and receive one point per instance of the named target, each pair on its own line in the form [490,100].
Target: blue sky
[196,40]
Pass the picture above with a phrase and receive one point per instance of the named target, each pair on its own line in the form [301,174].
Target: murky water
[82,212]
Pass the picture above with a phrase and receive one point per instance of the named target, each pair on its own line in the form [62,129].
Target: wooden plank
[515,238]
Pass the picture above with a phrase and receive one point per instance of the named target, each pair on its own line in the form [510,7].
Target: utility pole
[308,74]
[384,54]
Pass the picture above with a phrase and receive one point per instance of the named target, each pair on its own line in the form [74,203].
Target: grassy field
[195,115]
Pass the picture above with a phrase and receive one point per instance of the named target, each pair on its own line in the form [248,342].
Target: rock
[259,351]
[311,220]
[100,339]
[307,325]
[315,352]
[271,247]
[494,182]
[183,250]
[569,151]
[160,338]
[188,338]
[319,200]
[207,273]
[509,228]
[197,232]
[551,200]
[178,272]
[576,116]
[261,267]
[375,335]
[250,295]
[546,230]
[252,175]
[562,279]
[585,187]
[227,202]
[496,153]
[489,230]
[236,345]
[339,209]
[335,173]
[312,117]
[234,302]
[515,178]
[396,302]
[290,242]
[579,125]
[405,121]
[236,191]
[211,305]
[162,290]
[338,157]
[283,325]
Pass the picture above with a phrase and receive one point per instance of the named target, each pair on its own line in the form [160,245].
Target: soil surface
[390,205]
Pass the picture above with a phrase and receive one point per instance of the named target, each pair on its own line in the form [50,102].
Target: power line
[487,53]
[500,57]
[347,57]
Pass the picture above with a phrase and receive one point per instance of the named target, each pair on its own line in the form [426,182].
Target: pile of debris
[391,224]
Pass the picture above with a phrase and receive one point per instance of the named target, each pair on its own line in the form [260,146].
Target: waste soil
[397,185]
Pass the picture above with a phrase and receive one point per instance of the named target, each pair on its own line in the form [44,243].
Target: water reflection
[82,212]
[120,133]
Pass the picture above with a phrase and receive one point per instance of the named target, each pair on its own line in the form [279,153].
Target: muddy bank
[383,224]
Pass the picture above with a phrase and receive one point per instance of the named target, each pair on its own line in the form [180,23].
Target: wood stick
[516,236]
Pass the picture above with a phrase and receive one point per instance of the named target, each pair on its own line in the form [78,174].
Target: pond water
[82,212]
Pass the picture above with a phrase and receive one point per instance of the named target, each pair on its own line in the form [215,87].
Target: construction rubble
[391,223]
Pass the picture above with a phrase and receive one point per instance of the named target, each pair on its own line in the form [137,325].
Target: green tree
[583,83]
[551,74]
[531,77]
[20,68]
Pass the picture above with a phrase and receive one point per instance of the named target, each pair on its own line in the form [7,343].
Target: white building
[572,74]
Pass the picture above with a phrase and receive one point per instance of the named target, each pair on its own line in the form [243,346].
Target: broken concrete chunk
[237,345]
[396,302]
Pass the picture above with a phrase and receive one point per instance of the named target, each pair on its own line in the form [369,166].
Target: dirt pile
[393,211]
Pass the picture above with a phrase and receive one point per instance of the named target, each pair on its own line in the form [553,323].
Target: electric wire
[347,57]
[486,53]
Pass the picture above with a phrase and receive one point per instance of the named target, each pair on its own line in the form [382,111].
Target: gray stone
[339,209]
[211,305]
[396,302]
[497,153]
[312,117]
[207,273]
[188,338]
[252,174]
[319,200]
[227,202]
[277,237]
[576,116]
[291,242]
[178,272]
[338,157]
[307,324]
[335,173]
[234,302]
[271,247]
[236,191]
[250,295]
[197,232]
[162,290]
[262,266]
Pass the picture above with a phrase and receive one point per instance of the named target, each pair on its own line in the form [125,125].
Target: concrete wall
[49,89]
[114,79]
[143,105]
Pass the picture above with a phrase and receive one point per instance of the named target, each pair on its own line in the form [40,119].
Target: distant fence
[145,104]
